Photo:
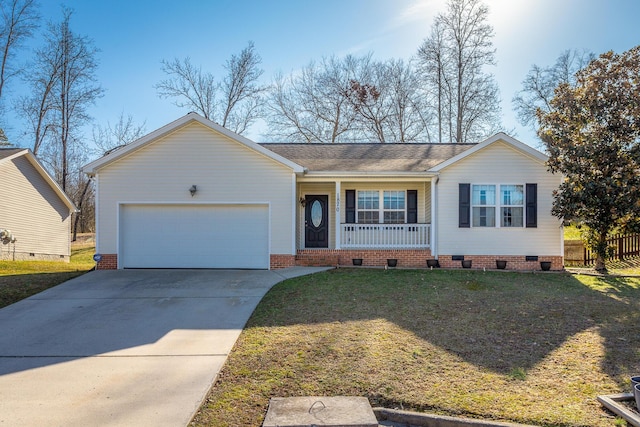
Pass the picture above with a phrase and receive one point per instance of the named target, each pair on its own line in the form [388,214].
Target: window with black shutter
[350,212]
[532,205]
[464,205]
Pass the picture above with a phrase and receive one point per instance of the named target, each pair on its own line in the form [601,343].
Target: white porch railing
[385,236]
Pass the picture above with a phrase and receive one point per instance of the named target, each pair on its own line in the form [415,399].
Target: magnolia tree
[592,134]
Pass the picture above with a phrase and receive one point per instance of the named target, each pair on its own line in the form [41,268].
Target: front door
[316,222]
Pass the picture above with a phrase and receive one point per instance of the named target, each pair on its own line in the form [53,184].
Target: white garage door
[194,236]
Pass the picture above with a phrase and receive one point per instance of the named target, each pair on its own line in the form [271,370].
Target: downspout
[434,217]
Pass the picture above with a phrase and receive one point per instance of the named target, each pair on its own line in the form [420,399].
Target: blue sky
[134,36]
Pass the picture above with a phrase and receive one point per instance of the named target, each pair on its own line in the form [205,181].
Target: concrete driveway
[124,348]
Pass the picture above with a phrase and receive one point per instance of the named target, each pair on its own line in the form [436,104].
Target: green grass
[571,232]
[21,279]
[526,348]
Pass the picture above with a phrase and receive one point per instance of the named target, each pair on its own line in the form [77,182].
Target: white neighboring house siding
[34,213]
[498,163]
[223,170]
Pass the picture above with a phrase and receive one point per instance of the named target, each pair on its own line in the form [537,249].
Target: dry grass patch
[21,279]
[528,348]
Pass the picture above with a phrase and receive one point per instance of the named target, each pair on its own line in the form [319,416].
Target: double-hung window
[511,205]
[483,205]
[376,207]
[393,207]
[368,207]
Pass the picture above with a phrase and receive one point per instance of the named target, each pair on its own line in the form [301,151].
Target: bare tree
[311,106]
[453,58]
[63,86]
[112,137]
[432,61]
[539,85]
[189,86]
[410,116]
[235,102]
[350,99]
[241,92]
[18,20]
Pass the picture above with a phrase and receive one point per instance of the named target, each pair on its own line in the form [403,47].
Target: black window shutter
[532,205]
[464,205]
[350,213]
[412,206]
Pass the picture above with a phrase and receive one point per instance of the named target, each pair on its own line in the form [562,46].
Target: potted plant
[501,264]
[545,265]
[392,262]
[433,263]
[466,263]
[357,261]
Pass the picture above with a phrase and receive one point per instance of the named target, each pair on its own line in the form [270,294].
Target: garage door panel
[194,236]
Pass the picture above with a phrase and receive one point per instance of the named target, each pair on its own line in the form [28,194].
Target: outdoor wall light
[193,190]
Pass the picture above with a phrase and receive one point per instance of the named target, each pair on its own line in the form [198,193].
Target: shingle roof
[8,152]
[367,157]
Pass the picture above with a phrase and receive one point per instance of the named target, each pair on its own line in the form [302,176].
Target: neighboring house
[35,214]
[195,195]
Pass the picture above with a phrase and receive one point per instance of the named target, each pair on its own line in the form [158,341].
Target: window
[512,205]
[371,209]
[368,207]
[394,207]
[483,205]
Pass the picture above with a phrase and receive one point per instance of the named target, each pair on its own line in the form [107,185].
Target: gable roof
[93,167]
[377,157]
[500,136]
[8,154]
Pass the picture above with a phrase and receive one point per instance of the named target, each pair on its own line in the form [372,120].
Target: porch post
[434,218]
[337,215]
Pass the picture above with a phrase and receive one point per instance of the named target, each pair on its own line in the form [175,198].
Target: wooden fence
[624,246]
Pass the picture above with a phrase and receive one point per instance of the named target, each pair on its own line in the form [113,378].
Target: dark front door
[316,222]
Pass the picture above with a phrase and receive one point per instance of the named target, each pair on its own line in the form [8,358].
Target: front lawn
[519,347]
[21,279]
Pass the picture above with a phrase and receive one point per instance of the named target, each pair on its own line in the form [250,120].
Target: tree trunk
[601,252]
[77,219]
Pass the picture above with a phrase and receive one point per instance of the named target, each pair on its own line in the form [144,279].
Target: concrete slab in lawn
[124,348]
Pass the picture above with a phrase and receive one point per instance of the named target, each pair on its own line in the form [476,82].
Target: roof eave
[45,175]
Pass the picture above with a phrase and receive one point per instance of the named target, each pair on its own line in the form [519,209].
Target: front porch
[368,213]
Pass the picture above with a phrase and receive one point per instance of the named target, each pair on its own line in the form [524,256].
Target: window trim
[381,209]
[498,204]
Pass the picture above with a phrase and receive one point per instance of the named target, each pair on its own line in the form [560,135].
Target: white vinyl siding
[501,164]
[36,216]
[223,170]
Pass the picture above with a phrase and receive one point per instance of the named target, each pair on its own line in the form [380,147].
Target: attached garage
[194,236]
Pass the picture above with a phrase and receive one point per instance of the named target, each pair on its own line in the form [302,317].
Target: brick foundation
[410,258]
[282,261]
[371,258]
[108,262]
[514,262]
[416,258]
